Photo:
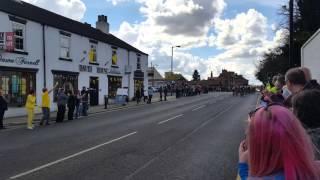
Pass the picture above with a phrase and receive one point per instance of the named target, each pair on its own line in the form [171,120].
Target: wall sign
[84,68]
[102,70]
[19,61]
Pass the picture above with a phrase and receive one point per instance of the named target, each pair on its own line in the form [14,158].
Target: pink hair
[278,142]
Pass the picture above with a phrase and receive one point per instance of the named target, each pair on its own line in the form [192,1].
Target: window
[15,85]
[114,57]
[138,62]
[65,81]
[2,40]
[93,53]
[65,46]
[19,36]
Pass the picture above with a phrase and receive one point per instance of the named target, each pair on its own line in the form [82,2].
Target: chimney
[102,24]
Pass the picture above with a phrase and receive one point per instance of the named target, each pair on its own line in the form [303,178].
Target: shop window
[93,53]
[114,57]
[138,62]
[68,82]
[19,36]
[114,83]
[65,46]
[16,85]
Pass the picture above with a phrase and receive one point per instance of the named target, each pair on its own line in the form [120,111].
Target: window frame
[116,52]
[62,46]
[22,27]
[95,52]
[138,62]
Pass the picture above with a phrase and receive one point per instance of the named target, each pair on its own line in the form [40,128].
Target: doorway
[94,91]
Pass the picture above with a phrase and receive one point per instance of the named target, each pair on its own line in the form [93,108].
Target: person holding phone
[277,147]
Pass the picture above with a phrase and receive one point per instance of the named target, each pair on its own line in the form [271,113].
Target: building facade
[39,49]
[310,55]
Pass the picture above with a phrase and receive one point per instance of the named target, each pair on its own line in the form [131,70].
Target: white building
[310,55]
[39,48]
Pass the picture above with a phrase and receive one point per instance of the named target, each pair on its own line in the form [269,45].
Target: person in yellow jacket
[46,105]
[30,106]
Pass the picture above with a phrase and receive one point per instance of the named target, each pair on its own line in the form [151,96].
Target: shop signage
[84,68]
[102,70]
[114,70]
[138,74]
[19,61]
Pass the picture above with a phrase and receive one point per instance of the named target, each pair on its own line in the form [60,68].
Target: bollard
[105,101]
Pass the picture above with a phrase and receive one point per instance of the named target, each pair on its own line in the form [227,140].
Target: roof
[42,16]
[311,38]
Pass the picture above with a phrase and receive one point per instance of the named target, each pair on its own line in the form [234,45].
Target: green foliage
[196,76]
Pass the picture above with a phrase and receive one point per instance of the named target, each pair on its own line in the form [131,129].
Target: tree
[196,75]
[306,22]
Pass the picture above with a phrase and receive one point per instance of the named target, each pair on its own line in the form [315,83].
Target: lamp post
[172,57]
[291,41]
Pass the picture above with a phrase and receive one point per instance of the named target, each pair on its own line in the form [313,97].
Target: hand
[243,152]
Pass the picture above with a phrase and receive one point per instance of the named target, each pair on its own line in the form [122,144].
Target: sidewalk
[22,120]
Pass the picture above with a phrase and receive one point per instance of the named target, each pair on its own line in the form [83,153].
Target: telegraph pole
[291,43]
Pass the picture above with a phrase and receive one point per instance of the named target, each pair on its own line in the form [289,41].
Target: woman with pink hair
[277,147]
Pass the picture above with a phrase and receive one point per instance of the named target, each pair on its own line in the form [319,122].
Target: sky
[213,34]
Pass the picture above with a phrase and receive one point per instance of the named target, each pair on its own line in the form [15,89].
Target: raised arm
[55,86]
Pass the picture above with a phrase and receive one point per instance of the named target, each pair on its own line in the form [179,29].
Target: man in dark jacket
[165,91]
[85,101]
[71,105]
[160,92]
[62,100]
[3,108]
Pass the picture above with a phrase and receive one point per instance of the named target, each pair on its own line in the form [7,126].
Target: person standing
[30,105]
[165,91]
[138,93]
[61,102]
[85,101]
[150,94]
[46,105]
[3,108]
[160,91]
[78,102]
[71,105]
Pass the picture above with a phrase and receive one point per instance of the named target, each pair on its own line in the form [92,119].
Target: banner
[9,41]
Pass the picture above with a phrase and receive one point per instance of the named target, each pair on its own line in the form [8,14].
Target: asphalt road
[190,138]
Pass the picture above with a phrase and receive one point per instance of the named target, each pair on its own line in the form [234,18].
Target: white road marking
[199,108]
[71,156]
[170,119]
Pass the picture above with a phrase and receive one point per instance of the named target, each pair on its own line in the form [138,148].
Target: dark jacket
[62,99]
[313,84]
[3,104]
[85,96]
[315,137]
[71,102]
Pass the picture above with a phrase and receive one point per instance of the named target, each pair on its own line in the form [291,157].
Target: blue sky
[215,34]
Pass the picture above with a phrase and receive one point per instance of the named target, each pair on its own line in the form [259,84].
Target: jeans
[1,118]
[84,109]
[77,112]
[45,115]
[60,113]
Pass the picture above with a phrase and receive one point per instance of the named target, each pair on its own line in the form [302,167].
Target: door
[94,91]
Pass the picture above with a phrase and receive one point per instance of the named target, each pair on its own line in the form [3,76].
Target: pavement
[194,138]
[22,120]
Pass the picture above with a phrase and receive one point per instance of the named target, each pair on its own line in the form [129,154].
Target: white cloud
[243,38]
[73,9]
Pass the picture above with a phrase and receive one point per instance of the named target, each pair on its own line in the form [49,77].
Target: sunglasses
[253,112]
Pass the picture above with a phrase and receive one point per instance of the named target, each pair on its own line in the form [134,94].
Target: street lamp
[172,57]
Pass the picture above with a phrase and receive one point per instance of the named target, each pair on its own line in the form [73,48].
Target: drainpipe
[129,77]
[44,56]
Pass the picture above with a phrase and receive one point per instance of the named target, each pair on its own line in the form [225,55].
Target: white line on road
[71,156]
[199,108]
[170,119]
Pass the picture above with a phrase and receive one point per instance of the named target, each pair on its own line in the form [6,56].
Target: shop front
[114,82]
[138,80]
[16,83]
[66,80]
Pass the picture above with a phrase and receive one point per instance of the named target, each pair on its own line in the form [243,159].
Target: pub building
[39,48]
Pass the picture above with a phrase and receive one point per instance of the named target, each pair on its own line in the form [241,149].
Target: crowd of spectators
[283,135]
